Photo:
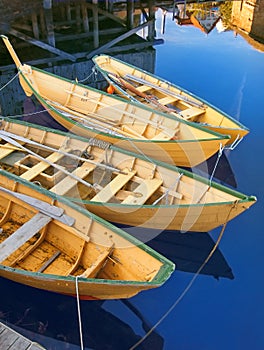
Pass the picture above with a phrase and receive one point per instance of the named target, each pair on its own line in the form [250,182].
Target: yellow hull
[92,113]
[118,185]
[132,82]
[186,153]
[86,291]
[49,243]
[200,218]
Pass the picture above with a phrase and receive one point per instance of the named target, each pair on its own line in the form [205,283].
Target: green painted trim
[48,106]
[170,84]
[213,133]
[165,271]
[197,177]
[169,266]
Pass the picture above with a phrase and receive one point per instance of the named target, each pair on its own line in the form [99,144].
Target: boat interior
[38,241]
[95,171]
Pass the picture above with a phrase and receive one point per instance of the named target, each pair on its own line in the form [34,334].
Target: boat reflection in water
[51,320]
[187,250]
[220,165]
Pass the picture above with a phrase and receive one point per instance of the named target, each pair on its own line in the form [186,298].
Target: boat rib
[46,252]
[145,88]
[120,186]
[92,113]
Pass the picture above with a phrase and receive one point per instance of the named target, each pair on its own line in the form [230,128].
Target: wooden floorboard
[12,340]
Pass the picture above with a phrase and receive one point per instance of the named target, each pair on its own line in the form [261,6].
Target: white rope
[168,190]
[221,148]
[133,144]
[79,312]
[10,81]
[235,143]
[188,286]
[28,114]
[94,72]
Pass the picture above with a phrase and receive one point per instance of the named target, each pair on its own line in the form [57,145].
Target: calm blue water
[190,312]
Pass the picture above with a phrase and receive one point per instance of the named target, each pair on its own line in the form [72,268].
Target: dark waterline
[224,308]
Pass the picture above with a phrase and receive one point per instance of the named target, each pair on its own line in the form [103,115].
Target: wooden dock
[12,340]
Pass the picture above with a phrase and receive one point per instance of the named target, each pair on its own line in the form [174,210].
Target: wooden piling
[95,24]
[47,5]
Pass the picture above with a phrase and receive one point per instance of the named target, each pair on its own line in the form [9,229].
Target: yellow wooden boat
[50,243]
[118,185]
[92,113]
[136,84]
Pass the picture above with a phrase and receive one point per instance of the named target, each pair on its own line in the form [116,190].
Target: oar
[17,144]
[99,126]
[40,145]
[129,114]
[34,202]
[44,207]
[165,91]
[149,98]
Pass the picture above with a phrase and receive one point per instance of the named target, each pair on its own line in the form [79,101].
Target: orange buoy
[110,89]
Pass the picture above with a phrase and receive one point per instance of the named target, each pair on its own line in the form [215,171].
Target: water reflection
[243,17]
[187,250]
[51,320]
[222,172]
[111,324]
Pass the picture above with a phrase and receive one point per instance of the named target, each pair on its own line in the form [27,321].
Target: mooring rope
[220,152]
[190,283]
[94,72]
[235,143]
[79,312]
[10,81]
[28,114]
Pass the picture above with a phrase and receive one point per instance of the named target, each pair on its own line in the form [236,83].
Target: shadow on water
[51,320]
[223,171]
[187,250]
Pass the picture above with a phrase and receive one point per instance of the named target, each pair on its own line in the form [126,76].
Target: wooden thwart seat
[98,264]
[41,166]
[23,234]
[143,88]
[143,192]
[65,185]
[167,100]
[6,149]
[133,132]
[165,135]
[113,187]
[191,112]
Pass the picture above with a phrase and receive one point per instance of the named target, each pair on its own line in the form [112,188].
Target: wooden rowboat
[118,185]
[136,84]
[92,113]
[49,243]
